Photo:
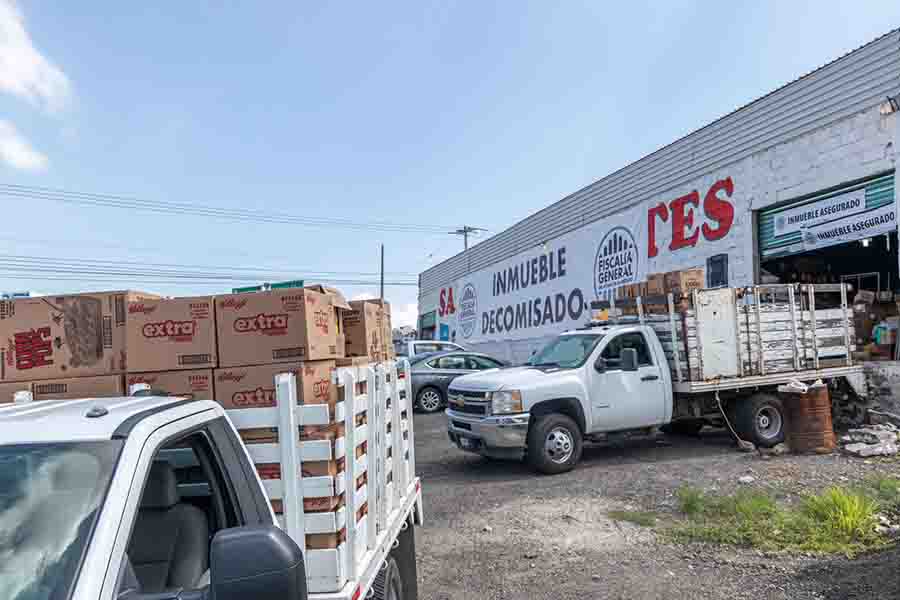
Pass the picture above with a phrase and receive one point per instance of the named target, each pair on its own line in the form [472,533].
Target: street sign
[281,285]
[297,283]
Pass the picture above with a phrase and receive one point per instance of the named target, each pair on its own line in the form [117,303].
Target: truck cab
[584,382]
[158,497]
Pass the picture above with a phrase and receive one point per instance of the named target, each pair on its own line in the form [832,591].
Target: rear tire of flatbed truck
[398,578]
[761,419]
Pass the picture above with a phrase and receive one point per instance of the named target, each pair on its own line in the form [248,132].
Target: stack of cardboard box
[172,345]
[263,334]
[368,330]
[66,346]
[680,283]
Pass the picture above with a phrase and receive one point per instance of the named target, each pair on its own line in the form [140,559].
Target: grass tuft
[638,517]
[837,520]
[691,500]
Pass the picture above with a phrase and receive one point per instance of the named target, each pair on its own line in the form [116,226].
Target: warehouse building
[797,186]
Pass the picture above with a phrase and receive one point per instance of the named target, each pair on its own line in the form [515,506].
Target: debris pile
[874,440]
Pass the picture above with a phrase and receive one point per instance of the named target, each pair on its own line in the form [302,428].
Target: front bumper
[501,436]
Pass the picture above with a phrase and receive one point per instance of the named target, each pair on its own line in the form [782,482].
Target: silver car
[432,374]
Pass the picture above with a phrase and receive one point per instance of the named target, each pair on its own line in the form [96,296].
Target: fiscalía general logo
[617,262]
[468,311]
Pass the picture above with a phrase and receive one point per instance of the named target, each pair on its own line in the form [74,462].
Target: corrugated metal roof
[857,80]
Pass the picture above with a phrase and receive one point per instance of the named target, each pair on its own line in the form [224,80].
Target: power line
[131,279]
[56,243]
[254,272]
[232,214]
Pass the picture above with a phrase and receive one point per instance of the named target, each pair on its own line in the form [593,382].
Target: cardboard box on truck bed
[102,386]
[684,281]
[276,326]
[55,337]
[196,384]
[8,390]
[254,386]
[171,334]
[367,328]
[341,306]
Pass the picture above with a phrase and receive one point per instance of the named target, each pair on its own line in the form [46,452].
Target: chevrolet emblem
[457,400]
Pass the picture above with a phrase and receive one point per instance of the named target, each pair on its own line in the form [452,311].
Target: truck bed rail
[377,447]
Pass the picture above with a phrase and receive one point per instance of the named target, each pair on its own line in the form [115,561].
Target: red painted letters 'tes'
[684,231]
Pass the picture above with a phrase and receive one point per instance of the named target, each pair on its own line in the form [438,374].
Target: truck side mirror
[256,562]
[629,359]
[600,364]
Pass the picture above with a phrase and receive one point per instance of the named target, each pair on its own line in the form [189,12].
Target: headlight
[507,402]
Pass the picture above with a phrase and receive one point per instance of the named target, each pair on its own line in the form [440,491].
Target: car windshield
[49,495]
[567,351]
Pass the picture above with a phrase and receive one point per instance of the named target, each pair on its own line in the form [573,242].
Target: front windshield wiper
[545,364]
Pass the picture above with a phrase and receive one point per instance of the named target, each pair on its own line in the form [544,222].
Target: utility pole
[464,231]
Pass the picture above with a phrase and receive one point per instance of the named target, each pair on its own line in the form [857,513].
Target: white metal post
[350,472]
[796,346]
[397,435]
[407,384]
[846,324]
[288,441]
[371,460]
[759,340]
[676,351]
[812,322]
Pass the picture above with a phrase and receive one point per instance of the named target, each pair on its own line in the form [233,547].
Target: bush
[847,514]
[690,500]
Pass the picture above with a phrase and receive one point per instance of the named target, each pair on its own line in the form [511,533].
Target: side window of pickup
[186,499]
[614,348]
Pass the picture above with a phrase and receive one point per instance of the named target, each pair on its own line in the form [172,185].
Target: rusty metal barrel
[809,419]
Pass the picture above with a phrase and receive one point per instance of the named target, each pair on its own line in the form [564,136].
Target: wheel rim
[768,422]
[559,445]
[430,400]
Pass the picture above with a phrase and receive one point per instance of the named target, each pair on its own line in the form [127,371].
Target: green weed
[638,517]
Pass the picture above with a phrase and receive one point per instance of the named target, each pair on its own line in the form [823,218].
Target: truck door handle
[649,377]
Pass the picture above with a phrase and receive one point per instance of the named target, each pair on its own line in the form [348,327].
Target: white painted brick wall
[854,148]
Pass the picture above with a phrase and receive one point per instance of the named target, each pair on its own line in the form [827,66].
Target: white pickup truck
[720,355]
[155,497]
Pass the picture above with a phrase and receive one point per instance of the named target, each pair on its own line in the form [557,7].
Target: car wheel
[430,400]
[554,444]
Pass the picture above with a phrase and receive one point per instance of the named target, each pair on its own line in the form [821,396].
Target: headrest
[161,490]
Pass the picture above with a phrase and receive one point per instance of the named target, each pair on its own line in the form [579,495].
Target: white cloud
[405,314]
[24,71]
[366,295]
[17,152]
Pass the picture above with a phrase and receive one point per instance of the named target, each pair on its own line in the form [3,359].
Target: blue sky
[429,113]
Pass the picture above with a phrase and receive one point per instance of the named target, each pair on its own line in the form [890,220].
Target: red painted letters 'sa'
[683,217]
[661,211]
[719,210]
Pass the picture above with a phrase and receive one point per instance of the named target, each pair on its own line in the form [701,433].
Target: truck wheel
[554,444]
[405,554]
[761,420]
[430,400]
[388,585]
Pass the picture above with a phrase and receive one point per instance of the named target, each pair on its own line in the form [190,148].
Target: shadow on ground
[875,575]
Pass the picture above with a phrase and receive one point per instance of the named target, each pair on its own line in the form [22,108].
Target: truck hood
[499,379]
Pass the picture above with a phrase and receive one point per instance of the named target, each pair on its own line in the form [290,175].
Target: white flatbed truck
[157,497]
[717,358]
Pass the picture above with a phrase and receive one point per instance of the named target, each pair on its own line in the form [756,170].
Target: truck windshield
[568,351]
[49,499]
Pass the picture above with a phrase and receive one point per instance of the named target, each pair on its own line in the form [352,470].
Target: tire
[689,427]
[405,554]
[430,400]
[761,419]
[388,584]
[554,444]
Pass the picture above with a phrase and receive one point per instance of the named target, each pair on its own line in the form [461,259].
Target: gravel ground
[495,529]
